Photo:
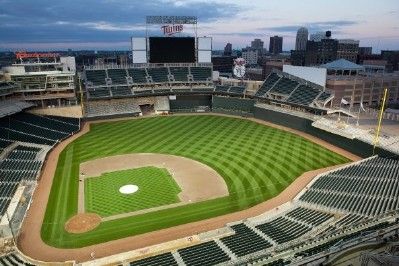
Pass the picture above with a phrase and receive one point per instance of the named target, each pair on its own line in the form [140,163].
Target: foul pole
[377,134]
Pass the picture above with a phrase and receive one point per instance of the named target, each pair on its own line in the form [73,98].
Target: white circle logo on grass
[128,189]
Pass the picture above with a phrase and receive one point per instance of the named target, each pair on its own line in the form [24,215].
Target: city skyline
[49,25]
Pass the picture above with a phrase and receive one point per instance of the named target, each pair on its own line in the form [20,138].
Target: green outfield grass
[257,162]
[102,194]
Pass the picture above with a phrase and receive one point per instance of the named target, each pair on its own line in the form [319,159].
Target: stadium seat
[159,74]
[163,259]
[283,230]
[138,75]
[267,84]
[118,75]
[284,86]
[244,241]
[97,77]
[201,73]
[179,73]
[303,95]
[121,91]
[208,253]
[368,188]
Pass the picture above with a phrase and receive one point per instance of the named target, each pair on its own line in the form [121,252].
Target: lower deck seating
[66,121]
[349,219]
[121,91]
[18,175]
[327,245]
[7,190]
[279,262]
[13,259]
[283,230]
[18,165]
[163,259]
[4,202]
[370,188]
[208,253]
[5,143]
[309,216]
[24,137]
[99,93]
[238,90]
[221,88]
[245,241]
[143,92]
[57,123]
[209,90]
[111,107]
[28,128]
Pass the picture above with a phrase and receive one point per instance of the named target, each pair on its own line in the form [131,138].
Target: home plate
[128,189]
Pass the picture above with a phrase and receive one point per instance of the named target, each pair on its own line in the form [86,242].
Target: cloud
[94,20]
[392,12]
[242,34]
[333,25]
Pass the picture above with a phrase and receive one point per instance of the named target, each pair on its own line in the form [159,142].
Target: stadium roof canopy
[342,64]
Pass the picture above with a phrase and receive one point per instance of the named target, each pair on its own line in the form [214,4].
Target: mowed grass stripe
[257,162]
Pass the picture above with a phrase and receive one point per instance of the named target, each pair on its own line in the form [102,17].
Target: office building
[228,49]
[301,39]
[348,49]
[276,45]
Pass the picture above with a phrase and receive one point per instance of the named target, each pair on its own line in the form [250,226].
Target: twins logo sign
[172,29]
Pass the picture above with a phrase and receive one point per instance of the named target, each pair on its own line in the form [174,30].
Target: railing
[145,65]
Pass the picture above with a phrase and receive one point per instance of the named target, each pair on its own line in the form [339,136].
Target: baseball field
[255,161]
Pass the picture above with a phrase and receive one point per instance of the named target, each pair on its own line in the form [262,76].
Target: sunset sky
[108,24]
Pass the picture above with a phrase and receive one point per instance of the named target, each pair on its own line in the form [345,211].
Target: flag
[343,101]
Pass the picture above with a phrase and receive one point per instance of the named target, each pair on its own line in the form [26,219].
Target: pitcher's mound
[82,223]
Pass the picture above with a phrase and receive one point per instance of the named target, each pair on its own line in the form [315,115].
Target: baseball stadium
[161,161]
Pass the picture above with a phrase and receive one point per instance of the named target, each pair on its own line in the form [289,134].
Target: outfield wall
[233,104]
[189,102]
[355,146]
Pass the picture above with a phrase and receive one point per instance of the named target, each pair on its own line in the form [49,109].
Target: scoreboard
[172,50]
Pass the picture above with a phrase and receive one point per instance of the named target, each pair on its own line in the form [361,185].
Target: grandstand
[287,89]
[13,259]
[368,188]
[164,79]
[108,76]
[24,141]
[307,230]
[354,204]
[39,79]
[111,108]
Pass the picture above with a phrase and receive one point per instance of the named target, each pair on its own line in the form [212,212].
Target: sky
[109,24]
